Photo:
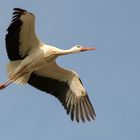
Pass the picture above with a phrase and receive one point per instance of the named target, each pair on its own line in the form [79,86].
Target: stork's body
[37,59]
[33,62]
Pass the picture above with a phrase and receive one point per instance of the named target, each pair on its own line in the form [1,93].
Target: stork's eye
[78,46]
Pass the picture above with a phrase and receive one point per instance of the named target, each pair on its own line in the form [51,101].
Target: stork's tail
[18,78]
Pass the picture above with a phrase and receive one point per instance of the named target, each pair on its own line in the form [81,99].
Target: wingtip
[19,9]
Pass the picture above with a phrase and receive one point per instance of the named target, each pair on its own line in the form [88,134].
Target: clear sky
[111,74]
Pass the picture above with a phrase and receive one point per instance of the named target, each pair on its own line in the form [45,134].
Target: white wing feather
[28,36]
[52,70]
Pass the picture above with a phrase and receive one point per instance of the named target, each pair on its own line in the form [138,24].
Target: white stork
[33,62]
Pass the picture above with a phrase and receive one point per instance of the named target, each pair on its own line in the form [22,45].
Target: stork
[34,62]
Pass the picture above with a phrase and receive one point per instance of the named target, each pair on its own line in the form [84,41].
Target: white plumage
[33,62]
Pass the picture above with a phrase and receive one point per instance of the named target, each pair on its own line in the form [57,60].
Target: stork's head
[79,48]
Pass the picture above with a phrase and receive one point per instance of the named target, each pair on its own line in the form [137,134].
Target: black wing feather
[78,108]
[13,35]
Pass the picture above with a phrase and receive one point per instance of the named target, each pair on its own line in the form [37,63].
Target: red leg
[2,86]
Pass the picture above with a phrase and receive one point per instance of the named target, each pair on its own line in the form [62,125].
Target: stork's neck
[69,51]
[58,51]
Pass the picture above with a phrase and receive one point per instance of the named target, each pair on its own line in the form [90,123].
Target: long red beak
[87,49]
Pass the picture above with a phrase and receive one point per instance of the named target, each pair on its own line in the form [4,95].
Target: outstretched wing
[67,87]
[21,36]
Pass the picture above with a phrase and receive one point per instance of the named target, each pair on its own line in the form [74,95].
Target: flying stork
[33,62]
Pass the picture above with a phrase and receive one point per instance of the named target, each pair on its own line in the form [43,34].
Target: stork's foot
[2,86]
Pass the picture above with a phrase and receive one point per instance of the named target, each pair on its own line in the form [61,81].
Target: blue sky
[110,74]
